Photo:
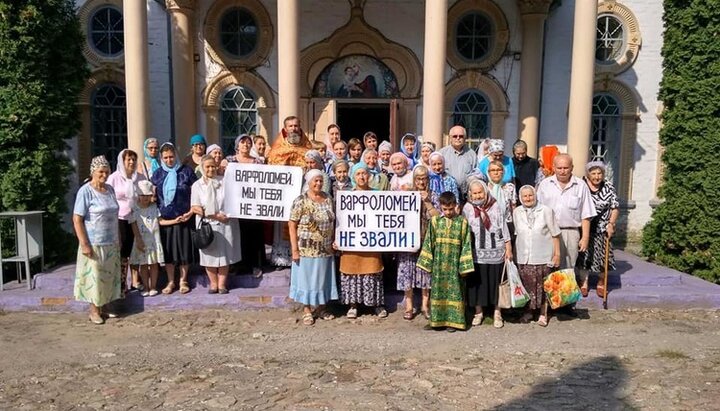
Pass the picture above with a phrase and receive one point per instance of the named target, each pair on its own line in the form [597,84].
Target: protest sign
[261,192]
[378,221]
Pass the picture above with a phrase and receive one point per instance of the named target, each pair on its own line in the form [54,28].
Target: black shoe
[212,291]
[450,330]
[223,291]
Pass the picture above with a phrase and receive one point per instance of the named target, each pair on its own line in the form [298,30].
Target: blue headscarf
[198,139]
[355,168]
[170,183]
[154,163]
[415,155]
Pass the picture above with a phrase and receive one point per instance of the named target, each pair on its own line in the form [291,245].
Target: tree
[685,230]
[42,71]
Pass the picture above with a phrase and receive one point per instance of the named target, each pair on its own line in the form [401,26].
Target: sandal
[542,321]
[212,291]
[96,318]
[498,322]
[308,319]
[477,320]
[169,289]
[326,315]
[352,313]
[584,290]
[600,289]
[409,315]
[381,312]
[426,314]
[184,287]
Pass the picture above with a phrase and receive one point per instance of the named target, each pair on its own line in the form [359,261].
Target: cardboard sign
[261,192]
[378,221]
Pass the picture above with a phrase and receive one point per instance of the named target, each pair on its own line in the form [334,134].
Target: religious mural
[356,76]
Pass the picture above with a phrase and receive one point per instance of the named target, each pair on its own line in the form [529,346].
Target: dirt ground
[247,360]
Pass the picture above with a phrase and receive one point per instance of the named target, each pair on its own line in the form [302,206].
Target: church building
[579,74]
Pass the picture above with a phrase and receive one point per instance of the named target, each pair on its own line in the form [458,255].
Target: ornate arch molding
[358,37]
[629,118]
[84,13]
[211,34]
[212,96]
[490,87]
[103,75]
[633,36]
[500,38]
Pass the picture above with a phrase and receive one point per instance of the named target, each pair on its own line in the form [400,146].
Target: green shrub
[42,73]
[685,230]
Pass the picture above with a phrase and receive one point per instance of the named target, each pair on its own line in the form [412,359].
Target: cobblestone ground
[210,359]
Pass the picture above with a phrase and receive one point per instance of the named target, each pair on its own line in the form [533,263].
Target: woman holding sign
[208,195]
[312,274]
[361,273]
[253,252]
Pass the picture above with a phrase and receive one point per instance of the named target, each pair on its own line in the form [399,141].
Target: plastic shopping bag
[561,288]
[518,295]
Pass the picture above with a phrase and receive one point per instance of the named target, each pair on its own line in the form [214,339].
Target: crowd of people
[479,211]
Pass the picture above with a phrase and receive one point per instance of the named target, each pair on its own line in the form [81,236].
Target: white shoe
[498,322]
[145,293]
[477,320]
[153,293]
[352,313]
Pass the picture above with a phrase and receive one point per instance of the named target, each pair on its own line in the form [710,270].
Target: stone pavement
[635,284]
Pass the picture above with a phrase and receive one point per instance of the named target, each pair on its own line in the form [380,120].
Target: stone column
[433,121]
[533,15]
[137,81]
[581,83]
[288,60]
[182,14]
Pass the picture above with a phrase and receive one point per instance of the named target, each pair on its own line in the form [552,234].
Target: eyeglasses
[458,136]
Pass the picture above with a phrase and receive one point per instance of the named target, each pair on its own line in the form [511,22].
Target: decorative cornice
[534,6]
[180,4]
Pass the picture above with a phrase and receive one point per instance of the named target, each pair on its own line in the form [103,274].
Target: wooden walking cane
[605,280]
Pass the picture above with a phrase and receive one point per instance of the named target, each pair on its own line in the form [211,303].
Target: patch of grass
[672,354]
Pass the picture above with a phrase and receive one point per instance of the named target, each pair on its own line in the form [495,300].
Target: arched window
[605,143]
[474,36]
[238,32]
[610,39]
[472,111]
[109,122]
[105,31]
[239,116]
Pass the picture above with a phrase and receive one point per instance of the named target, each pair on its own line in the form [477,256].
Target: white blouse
[534,243]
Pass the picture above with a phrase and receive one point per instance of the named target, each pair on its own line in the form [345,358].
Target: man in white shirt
[460,160]
[569,197]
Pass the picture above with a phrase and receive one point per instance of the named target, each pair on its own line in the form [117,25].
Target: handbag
[519,297]
[202,236]
[561,288]
[504,291]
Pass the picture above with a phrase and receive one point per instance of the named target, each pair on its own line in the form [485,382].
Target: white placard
[261,192]
[378,220]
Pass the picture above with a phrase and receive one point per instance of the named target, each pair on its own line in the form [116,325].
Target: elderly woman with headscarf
[496,152]
[378,180]
[491,248]
[602,226]
[426,148]
[151,150]
[437,166]
[409,276]
[253,252]
[384,153]
[503,192]
[198,145]
[207,198]
[408,146]
[361,273]
[314,161]
[402,179]
[216,152]
[95,219]
[537,250]
[312,274]
[174,185]
[124,182]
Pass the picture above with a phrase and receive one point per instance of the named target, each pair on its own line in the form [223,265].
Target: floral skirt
[532,277]
[366,289]
[410,276]
[97,279]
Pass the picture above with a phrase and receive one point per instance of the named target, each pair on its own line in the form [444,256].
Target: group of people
[478,212]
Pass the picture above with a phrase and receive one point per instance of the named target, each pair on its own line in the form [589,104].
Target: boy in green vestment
[447,254]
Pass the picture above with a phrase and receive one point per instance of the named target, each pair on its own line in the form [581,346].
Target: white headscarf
[213,184]
[131,181]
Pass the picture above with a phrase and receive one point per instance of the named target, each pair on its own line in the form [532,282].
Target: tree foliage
[685,231]
[42,73]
